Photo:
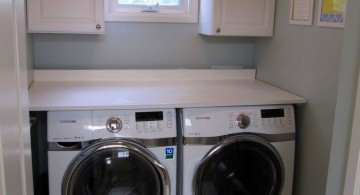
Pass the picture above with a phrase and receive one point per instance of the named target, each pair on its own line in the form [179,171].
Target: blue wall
[305,60]
[141,46]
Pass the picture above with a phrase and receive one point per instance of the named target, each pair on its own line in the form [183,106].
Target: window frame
[145,4]
[188,13]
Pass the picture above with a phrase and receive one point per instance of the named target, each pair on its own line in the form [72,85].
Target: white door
[15,153]
[237,17]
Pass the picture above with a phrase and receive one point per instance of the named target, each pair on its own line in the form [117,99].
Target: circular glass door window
[241,168]
[115,171]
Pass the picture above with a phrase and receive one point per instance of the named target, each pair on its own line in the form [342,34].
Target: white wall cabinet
[237,17]
[66,16]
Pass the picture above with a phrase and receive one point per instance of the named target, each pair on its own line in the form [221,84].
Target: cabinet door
[66,16]
[237,17]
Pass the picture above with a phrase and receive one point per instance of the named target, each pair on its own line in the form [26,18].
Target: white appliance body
[148,134]
[207,133]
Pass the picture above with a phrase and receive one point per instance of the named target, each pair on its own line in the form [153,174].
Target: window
[182,11]
[150,2]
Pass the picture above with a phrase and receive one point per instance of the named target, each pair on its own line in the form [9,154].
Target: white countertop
[140,89]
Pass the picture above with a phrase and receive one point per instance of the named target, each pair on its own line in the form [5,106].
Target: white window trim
[189,13]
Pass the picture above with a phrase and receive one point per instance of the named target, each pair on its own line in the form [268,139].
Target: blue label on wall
[169,153]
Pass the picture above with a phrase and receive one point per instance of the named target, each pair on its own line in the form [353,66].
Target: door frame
[15,146]
[352,179]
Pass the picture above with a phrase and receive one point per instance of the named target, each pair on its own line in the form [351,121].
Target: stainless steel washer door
[116,167]
[240,165]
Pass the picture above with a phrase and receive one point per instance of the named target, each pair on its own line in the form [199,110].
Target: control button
[290,121]
[169,123]
[243,121]
[290,116]
[277,122]
[152,124]
[271,122]
[139,125]
[113,125]
[169,114]
[265,121]
[146,125]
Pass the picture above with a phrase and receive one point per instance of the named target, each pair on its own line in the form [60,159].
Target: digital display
[272,113]
[148,116]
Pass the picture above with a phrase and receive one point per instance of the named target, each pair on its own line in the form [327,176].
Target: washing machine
[247,150]
[113,152]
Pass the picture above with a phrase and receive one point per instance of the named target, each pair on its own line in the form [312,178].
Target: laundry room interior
[311,68]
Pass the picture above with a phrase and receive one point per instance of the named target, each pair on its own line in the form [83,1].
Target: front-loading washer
[114,152]
[247,150]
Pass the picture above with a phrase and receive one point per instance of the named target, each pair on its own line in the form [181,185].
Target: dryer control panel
[276,117]
[217,121]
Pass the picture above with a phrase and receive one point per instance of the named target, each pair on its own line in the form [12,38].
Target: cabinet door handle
[218,30]
[98,27]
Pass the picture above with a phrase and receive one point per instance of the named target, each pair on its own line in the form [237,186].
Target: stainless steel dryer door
[120,167]
[240,165]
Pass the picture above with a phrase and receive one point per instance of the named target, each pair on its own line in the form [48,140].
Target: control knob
[243,121]
[113,125]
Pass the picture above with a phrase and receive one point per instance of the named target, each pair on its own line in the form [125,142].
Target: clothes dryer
[118,152]
[247,150]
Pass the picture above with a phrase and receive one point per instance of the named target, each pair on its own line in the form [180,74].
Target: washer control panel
[153,120]
[76,126]
[134,123]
